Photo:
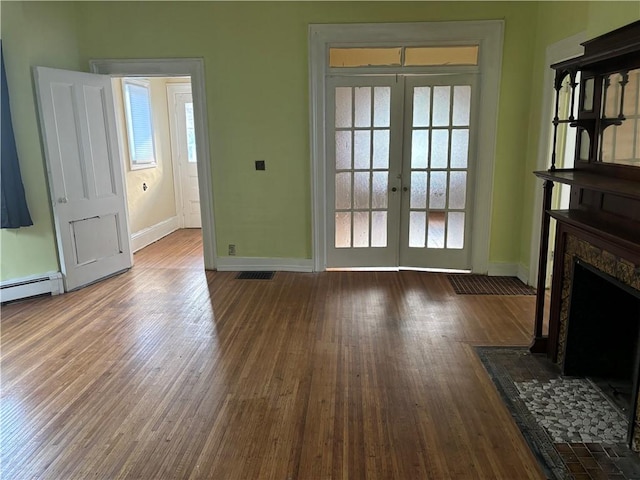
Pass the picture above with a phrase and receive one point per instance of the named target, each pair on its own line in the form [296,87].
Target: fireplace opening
[603,334]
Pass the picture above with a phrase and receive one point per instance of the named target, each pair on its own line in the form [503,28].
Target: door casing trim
[488,34]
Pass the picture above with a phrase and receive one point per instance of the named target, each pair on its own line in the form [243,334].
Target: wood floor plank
[171,372]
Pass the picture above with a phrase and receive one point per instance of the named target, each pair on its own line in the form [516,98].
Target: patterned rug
[465,284]
[574,430]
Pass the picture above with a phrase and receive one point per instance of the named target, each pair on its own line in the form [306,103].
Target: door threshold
[396,269]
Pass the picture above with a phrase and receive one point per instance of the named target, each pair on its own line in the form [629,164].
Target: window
[457,55]
[137,104]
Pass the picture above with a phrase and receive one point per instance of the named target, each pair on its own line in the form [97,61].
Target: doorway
[408,226]
[158,150]
[194,69]
[399,171]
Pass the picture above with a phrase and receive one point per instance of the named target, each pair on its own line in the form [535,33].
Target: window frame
[146,84]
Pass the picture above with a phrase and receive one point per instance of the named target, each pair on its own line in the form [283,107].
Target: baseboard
[253,264]
[25,287]
[154,233]
[502,270]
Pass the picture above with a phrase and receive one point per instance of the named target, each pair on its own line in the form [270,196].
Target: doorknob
[394,189]
[404,189]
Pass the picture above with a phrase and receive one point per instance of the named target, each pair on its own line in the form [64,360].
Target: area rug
[465,284]
[570,425]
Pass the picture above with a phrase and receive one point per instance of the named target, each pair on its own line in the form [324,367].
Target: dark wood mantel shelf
[592,181]
[625,234]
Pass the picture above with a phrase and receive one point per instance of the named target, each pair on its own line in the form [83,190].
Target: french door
[400,171]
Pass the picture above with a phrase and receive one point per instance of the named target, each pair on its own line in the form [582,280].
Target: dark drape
[14,213]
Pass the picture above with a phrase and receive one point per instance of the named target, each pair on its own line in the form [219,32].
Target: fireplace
[595,322]
[603,335]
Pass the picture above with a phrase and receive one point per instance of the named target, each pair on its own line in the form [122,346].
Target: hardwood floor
[168,372]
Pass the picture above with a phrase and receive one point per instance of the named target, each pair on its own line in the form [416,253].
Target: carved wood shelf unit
[600,92]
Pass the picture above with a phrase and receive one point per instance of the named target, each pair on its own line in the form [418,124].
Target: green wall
[257,87]
[257,91]
[33,34]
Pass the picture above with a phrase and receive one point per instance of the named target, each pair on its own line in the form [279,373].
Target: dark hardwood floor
[168,372]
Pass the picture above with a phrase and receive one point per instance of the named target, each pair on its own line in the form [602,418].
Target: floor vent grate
[255,275]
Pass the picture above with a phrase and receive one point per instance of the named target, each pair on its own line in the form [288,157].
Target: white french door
[399,171]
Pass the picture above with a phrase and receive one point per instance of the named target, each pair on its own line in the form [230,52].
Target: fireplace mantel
[604,206]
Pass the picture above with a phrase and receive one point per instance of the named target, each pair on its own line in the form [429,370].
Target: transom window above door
[455,55]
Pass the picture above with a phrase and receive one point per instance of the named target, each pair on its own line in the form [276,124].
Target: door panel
[364,152]
[437,172]
[184,153]
[85,174]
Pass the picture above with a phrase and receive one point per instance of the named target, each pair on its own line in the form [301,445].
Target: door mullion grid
[353,166]
[448,179]
[371,131]
[429,169]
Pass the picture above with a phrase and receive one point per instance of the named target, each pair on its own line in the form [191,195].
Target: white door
[399,171]
[85,174]
[363,187]
[183,147]
[437,172]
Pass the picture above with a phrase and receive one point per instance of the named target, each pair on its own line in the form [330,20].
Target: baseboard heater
[19,288]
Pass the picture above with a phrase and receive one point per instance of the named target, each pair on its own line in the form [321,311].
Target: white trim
[25,287]
[488,34]
[564,49]
[253,264]
[151,234]
[180,67]
[499,269]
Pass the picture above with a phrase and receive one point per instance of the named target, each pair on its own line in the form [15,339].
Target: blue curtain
[14,213]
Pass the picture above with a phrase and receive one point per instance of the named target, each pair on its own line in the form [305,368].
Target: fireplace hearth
[603,335]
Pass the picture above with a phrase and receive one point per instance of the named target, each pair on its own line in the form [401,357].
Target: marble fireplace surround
[606,256]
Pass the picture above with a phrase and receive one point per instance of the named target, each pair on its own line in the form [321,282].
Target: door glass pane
[363,106]
[343,150]
[343,190]
[343,107]
[439,148]
[378,229]
[459,148]
[191,133]
[419,148]
[418,190]
[421,109]
[360,229]
[456,55]
[380,189]
[362,149]
[461,105]
[363,57]
[381,149]
[381,106]
[455,230]
[343,229]
[441,106]
[361,190]
[435,237]
[417,229]
[438,190]
[457,189]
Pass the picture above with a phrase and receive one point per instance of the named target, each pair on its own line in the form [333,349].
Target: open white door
[85,174]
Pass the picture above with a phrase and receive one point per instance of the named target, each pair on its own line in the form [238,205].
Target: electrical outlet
[232,249]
